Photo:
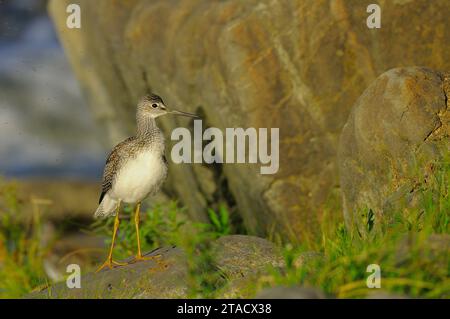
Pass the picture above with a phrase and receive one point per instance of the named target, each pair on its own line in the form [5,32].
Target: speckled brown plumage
[136,168]
[127,150]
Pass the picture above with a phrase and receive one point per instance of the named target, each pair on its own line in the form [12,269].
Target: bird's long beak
[184,114]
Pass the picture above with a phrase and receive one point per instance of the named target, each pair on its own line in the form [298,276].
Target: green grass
[159,227]
[401,244]
[403,248]
[163,225]
[21,248]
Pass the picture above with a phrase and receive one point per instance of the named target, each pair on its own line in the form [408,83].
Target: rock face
[397,130]
[294,65]
[240,259]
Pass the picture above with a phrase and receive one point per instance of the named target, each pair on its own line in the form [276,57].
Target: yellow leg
[139,256]
[110,263]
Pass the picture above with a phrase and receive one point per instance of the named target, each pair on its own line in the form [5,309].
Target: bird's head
[152,105]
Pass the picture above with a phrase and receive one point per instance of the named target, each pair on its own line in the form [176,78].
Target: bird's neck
[146,126]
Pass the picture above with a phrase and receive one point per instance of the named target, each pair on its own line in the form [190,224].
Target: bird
[135,169]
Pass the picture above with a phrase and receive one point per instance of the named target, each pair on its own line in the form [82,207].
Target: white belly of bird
[139,177]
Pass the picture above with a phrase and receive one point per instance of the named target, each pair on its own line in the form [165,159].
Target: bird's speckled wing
[112,164]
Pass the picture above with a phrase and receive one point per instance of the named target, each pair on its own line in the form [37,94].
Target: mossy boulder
[392,144]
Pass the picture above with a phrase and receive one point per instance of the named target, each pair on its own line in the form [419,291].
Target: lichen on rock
[396,135]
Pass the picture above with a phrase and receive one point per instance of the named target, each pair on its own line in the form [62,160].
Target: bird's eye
[154,105]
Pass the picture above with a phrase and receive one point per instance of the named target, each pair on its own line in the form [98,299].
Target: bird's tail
[106,208]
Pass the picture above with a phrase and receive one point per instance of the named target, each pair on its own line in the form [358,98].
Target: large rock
[237,258]
[296,65]
[397,131]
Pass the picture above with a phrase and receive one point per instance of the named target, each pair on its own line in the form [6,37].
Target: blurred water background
[51,157]
[46,128]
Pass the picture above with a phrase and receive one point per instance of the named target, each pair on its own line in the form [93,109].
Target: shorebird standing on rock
[135,169]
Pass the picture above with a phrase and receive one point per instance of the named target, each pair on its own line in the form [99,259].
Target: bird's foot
[109,263]
[139,257]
